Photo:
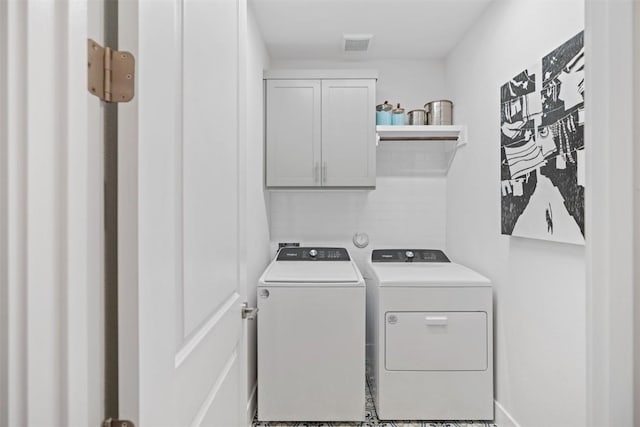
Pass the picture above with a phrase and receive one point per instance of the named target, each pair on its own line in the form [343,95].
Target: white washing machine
[429,337]
[311,337]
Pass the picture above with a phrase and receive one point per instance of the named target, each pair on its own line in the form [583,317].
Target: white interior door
[181,332]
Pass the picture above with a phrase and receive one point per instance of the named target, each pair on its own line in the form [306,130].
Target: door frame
[611,141]
[51,223]
[636,277]
[248,399]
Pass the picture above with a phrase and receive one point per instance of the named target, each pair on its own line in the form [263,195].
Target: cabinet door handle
[324,171]
[316,169]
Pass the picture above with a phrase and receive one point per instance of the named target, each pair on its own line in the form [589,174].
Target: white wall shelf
[423,133]
[445,139]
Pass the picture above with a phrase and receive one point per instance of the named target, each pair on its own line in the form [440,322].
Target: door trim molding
[52,210]
[202,332]
[609,205]
[636,248]
[252,404]
[217,385]
[504,418]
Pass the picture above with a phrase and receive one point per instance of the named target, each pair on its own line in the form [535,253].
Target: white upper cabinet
[348,133]
[320,132]
[293,133]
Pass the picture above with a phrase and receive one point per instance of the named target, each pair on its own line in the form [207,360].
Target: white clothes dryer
[311,337]
[429,337]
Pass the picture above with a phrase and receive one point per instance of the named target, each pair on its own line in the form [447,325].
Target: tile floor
[371,420]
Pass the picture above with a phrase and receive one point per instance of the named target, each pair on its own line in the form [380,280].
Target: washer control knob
[409,254]
[313,253]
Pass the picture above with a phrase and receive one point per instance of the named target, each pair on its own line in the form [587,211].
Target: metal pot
[439,112]
[417,117]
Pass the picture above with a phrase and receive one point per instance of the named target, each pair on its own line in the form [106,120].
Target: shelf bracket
[462,137]
[445,134]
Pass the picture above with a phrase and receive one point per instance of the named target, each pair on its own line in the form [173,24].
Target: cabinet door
[348,133]
[293,133]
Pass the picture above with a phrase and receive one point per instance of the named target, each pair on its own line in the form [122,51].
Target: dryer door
[436,341]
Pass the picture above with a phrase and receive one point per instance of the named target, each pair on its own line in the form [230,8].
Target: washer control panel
[313,254]
[408,255]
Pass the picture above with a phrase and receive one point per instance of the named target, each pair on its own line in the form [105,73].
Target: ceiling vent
[356,42]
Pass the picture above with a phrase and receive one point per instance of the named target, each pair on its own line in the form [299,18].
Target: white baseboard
[252,404]
[503,418]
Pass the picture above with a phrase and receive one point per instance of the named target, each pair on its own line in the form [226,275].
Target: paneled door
[180,295]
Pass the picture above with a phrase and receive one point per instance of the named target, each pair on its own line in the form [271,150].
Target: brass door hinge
[111,73]
[117,423]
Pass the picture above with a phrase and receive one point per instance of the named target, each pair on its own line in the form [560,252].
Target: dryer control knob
[313,253]
[409,254]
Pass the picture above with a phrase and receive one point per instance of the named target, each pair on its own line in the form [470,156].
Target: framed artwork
[542,147]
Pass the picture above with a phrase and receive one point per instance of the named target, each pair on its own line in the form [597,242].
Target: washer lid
[427,274]
[312,272]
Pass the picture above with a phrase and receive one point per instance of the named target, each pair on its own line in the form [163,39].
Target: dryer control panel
[408,255]
[313,254]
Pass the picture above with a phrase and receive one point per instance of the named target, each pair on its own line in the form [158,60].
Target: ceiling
[402,29]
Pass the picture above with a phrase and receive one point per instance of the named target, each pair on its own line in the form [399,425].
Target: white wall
[412,83]
[539,286]
[257,225]
[407,208]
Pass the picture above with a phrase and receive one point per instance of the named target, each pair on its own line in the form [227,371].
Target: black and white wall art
[542,147]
